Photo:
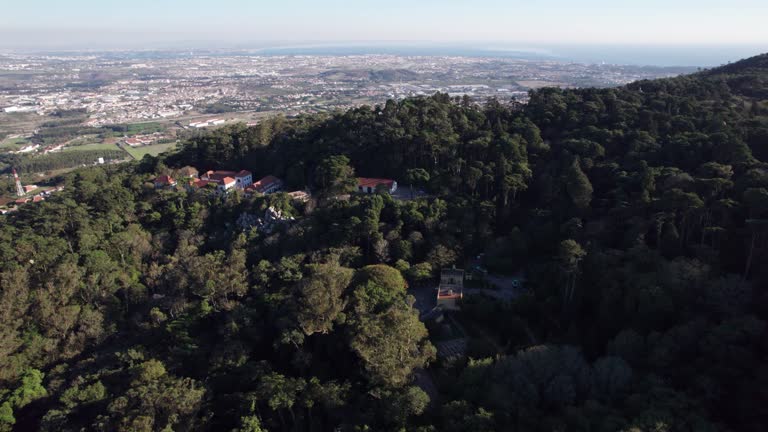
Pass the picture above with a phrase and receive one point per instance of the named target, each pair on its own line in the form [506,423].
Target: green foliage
[334,176]
[577,185]
[250,424]
[76,396]
[420,272]
[391,344]
[7,420]
[30,388]
[155,400]
[633,219]
[321,297]
[378,287]
[54,161]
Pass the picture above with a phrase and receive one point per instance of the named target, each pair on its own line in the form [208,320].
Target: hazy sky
[554,21]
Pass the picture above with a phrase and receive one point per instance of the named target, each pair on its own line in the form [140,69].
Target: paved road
[507,287]
[403,193]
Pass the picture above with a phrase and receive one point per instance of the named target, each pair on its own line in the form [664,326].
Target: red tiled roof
[219,176]
[199,183]
[449,294]
[228,180]
[37,198]
[265,183]
[373,182]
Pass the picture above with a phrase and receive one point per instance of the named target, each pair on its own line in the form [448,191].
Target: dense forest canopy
[638,215]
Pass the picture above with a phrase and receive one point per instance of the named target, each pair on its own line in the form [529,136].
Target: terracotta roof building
[242,178]
[197,183]
[451,289]
[267,185]
[369,185]
[227,183]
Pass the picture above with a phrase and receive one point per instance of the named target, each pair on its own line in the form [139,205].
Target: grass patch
[88,139]
[13,143]
[153,150]
[135,128]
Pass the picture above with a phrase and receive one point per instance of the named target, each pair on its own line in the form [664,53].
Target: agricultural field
[153,150]
[92,146]
[12,144]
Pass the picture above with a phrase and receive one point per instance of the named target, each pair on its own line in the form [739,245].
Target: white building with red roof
[369,185]
[227,184]
[242,178]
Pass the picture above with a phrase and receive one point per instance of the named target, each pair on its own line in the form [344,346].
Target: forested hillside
[638,215]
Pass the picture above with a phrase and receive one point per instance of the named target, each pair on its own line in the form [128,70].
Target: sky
[57,23]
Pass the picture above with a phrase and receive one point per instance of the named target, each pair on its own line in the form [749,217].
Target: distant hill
[752,65]
[748,77]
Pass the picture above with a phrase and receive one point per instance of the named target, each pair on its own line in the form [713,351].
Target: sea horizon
[704,55]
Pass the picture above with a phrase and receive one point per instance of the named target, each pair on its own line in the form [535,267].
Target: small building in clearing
[451,289]
[369,185]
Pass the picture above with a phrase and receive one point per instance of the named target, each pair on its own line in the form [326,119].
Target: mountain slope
[749,66]
[748,77]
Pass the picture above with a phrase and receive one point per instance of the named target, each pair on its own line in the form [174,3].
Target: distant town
[133,88]
[62,111]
